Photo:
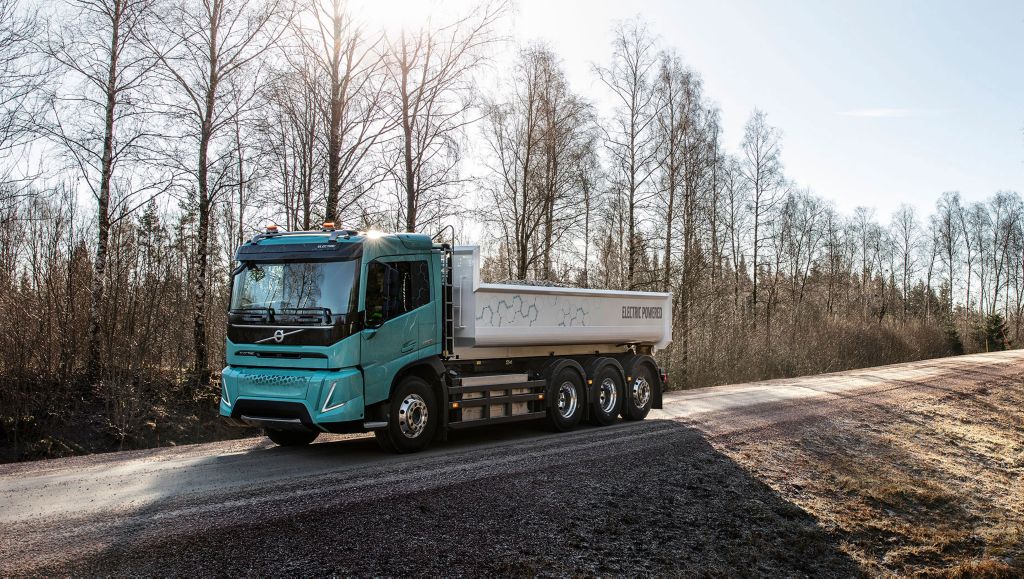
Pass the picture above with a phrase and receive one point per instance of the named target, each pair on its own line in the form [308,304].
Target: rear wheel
[291,437]
[606,396]
[639,392]
[412,417]
[566,398]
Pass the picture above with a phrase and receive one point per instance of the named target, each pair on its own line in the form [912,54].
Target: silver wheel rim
[607,395]
[413,416]
[641,392]
[567,399]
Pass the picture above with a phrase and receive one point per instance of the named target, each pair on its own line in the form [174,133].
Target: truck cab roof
[330,245]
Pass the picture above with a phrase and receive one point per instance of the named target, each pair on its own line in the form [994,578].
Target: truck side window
[375,274]
[419,284]
[395,288]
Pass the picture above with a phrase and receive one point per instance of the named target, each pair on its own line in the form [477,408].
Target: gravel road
[654,497]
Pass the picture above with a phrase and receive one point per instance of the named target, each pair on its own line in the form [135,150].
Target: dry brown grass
[924,480]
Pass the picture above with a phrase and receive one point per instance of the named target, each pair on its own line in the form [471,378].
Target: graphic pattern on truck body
[517,310]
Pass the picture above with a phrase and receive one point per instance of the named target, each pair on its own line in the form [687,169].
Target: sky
[879,102]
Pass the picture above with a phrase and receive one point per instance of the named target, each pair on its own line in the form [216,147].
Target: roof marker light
[328,225]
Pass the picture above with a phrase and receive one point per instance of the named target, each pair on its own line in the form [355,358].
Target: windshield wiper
[252,315]
[305,315]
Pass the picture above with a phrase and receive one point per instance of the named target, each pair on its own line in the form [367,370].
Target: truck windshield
[289,289]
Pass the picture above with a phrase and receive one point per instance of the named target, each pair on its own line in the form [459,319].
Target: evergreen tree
[991,335]
[956,346]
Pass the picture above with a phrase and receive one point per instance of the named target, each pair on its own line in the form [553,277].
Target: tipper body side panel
[521,318]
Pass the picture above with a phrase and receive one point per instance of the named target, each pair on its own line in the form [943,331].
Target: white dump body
[510,320]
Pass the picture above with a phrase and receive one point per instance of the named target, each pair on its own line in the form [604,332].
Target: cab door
[396,305]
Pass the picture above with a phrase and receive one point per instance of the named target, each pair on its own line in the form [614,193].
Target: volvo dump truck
[344,331]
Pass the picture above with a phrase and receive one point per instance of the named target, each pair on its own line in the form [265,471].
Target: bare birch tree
[21,75]
[1006,208]
[948,237]
[541,154]
[291,134]
[684,138]
[207,50]
[630,136]
[734,218]
[99,119]
[905,230]
[762,170]
[513,131]
[352,62]
[430,81]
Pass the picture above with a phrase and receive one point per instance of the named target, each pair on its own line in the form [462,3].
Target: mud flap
[656,403]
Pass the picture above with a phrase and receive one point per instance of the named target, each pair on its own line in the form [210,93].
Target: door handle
[408,346]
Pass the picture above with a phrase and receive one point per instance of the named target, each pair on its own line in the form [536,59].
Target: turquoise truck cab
[321,322]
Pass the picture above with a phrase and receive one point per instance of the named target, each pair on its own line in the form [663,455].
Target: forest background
[142,140]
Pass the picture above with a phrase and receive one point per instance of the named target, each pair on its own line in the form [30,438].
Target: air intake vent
[276,381]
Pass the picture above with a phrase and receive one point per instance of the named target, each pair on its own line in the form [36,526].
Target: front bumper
[321,400]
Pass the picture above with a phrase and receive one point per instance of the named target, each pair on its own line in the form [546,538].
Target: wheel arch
[595,365]
[555,366]
[431,370]
[631,364]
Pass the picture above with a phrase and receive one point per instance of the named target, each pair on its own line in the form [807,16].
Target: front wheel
[291,437]
[412,417]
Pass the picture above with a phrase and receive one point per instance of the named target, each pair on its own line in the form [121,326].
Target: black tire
[413,416]
[291,437]
[606,396]
[566,397]
[639,394]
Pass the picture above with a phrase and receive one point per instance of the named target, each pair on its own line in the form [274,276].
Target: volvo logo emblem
[278,336]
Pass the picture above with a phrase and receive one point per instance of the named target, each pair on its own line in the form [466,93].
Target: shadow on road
[641,498]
